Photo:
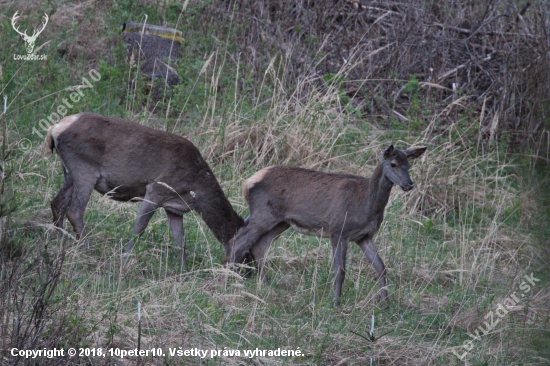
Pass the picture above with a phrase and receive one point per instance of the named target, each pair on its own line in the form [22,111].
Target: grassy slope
[455,247]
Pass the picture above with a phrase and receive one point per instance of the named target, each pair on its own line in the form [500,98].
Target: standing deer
[131,162]
[342,207]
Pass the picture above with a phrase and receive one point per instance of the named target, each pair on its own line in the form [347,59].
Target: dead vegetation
[422,63]
[456,75]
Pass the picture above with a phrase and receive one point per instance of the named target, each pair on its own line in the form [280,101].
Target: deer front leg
[176,226]
[339,250]
[368,247]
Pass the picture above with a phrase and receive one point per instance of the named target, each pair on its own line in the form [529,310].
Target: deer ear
[388,151]
[414,153]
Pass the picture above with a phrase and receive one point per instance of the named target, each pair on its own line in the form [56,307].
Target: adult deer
[339,206]
[130,162]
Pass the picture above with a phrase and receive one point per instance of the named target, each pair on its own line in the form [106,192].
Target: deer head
[29,39]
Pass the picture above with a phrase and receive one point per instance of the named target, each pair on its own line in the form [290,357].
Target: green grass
[454,248]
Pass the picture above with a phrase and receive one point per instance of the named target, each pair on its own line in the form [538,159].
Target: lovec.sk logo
[29,40]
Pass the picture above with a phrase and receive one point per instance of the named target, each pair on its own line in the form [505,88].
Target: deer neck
[380,189]
[219,216]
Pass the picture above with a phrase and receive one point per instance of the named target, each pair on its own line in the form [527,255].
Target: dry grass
[450,277]
[463,56]
[455,247]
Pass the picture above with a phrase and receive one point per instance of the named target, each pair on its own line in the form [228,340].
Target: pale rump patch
[56,130]
[255,178]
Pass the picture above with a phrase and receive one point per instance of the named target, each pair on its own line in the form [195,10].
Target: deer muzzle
[408,186]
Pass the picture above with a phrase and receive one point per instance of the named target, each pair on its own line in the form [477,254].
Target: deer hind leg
[81,192]
[62,201]
[368,247]
[176,226]
[339,250]
[259,249]
[146,211]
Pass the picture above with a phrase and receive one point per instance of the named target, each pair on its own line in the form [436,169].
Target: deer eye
[393,165]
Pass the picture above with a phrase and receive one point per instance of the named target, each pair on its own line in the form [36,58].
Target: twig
[457,29]
[519,16]
[478,30]
[382,10]
[445,75]
[489,33]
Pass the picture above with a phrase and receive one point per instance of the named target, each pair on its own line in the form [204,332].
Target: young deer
[131,162]
[342,207]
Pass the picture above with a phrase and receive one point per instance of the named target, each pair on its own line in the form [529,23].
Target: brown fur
[343,207]
[49,140]
[132,162]
[58,128]
[255,178]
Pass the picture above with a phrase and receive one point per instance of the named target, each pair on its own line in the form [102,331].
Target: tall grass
[450,254]
[455,247]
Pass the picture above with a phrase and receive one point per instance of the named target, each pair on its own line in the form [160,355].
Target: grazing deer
[130,162]
[342,207]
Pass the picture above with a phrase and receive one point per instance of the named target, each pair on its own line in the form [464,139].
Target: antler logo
[30,40]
